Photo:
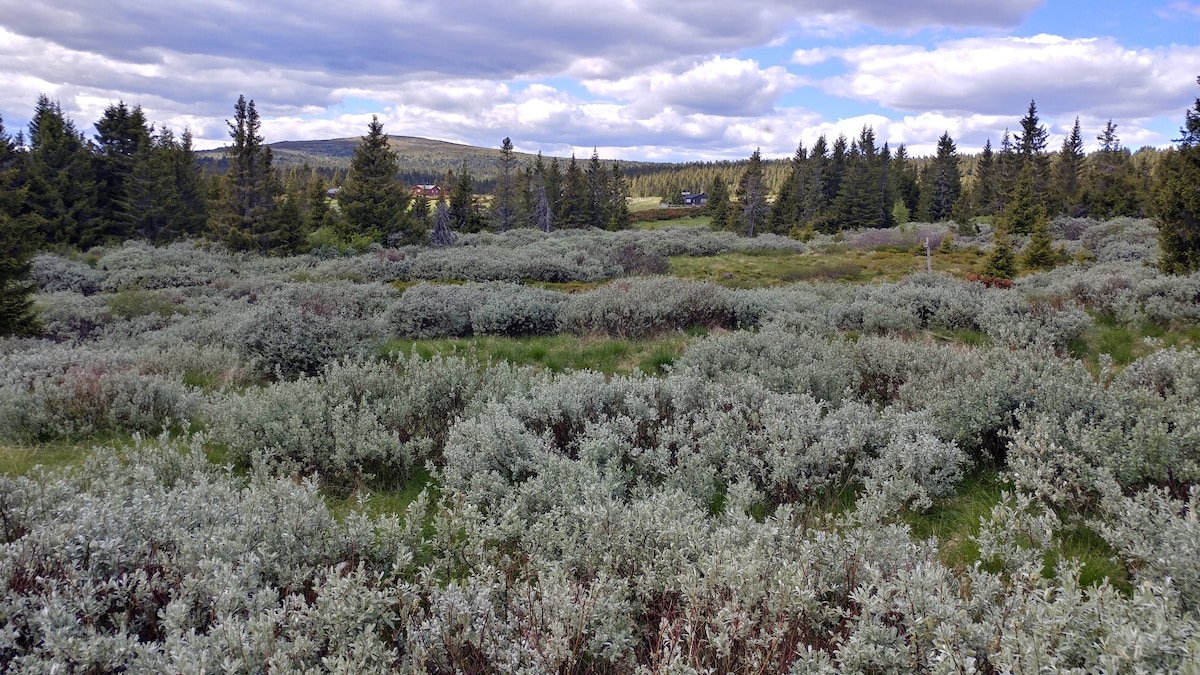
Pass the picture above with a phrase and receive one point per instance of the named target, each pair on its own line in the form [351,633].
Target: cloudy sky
[637,79]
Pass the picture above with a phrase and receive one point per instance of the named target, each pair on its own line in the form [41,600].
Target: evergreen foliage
[1069,173]
[18,240]
[942,182]
[1177,200]
[373,202]
[1022,212]
[1111,181]
[122,142]
[441,235]
[615,205]
[506,210]
[465,215]
[17,315]
[573,211]
[243,219]
[1031,150]
[720,209]
[61,181]
[984,198]
[752,196]
[1002,261]
[1039,252]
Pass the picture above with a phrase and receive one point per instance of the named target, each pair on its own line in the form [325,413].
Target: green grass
[643,203]
[954,521]
[1126,343]
[378,499]
[19,460]
[756,269]
[694,221]
[556,353]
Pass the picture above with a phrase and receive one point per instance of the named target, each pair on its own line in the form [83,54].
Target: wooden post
[928,257]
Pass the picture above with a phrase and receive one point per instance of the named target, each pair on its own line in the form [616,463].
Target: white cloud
[718,86]
[1000,75]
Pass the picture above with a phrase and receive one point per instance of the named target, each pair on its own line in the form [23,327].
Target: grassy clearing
[643,203]
[376,500]
[954,522]
[755,269]
[557,353]
[694,221]
[19,460]
[1125,344]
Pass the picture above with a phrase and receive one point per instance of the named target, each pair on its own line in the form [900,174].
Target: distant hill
[422,160]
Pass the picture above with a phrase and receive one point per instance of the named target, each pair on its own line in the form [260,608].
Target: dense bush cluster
[747,511]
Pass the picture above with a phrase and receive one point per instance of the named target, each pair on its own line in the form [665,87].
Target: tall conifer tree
[1177,200]
[61,180]
[373,201]
[752,196]
[243,218]
[506,206]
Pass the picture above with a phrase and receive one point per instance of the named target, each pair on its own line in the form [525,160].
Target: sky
[633,79]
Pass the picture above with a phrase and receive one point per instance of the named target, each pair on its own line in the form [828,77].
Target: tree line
[131,180]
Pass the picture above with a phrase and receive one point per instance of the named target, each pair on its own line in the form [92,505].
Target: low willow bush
[355,420]
[694,437]
[47,395]
[744,512]
[302,327]
[635,308]
[165,563]
[162,562]
[436,310]
[54,274]
[1073,458]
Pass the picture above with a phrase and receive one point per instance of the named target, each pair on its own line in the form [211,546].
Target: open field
[767,455]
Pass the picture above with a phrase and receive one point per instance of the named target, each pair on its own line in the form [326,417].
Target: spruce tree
[541,216]
[814,197]
[61,181]
[752,196]
[506,206]
[121,133]
[554,188]
[617,216]
[598,195]
[1068,174]
[17,316]
[1031,148]
[1177,200]
[191,187]
[441,235]
[943,182]
[983,192]
[149,204]
[243,218]
[720,210]
[18,241]
[1008,167]
[1039,252]
[573,206]
[904,180]
[1111,180]
[785,214]
[374,203]
[1001,262]
[1023,210]
[463,215]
